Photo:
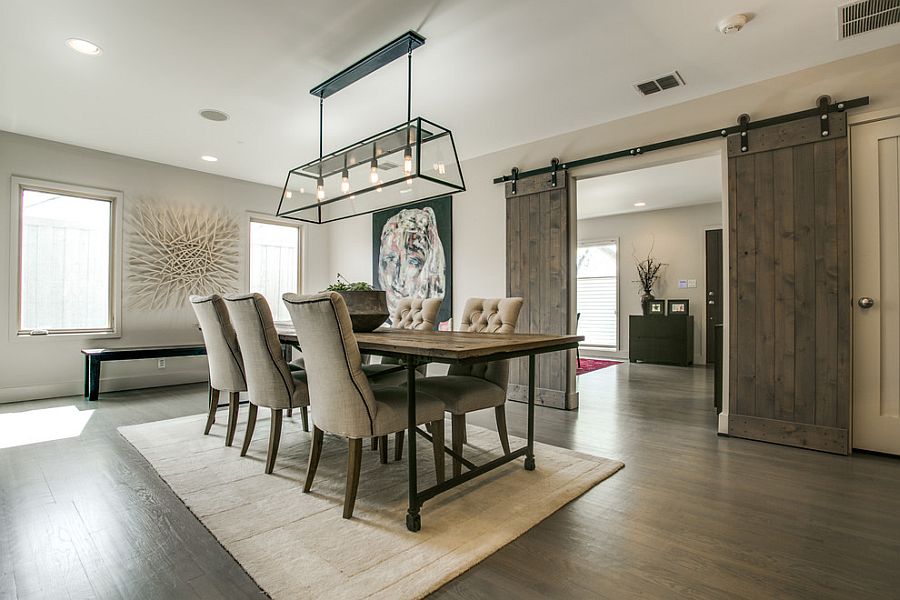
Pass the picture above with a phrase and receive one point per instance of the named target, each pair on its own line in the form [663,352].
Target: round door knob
[865,302]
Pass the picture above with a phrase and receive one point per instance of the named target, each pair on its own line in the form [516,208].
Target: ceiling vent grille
[866,15]
[664,82]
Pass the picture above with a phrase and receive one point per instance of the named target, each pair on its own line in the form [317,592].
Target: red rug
[594,364]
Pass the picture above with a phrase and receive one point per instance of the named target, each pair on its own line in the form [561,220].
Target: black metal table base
[418,498]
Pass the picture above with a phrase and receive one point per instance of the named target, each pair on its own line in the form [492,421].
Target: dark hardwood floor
[692,515]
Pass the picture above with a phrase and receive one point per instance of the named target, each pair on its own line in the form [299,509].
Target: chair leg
[251,425]
[457,427]
[315,452]
[437,437]
[233,403]
[213,405]
[304,418]
[382,449]
[374,445]
[274,439]
[465,431]
[290,413]
[354,460]
[500,413]
[398,445]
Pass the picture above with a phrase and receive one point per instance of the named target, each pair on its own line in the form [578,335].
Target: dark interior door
[789,285]
[713,291]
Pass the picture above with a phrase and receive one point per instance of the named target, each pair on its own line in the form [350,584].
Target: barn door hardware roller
[823,109]
[744,124]
[554,167]
[823,102]
[514,175]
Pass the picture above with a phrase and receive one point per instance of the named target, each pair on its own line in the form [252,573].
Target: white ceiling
[498,73]
[686,183]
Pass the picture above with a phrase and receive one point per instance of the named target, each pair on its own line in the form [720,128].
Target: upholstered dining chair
[342,400]
[467,388]
[418,314]
[226,368]
[270,383]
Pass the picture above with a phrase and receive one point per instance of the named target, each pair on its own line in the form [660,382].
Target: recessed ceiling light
[209,158]
[84,46]
[640,204]
[211,114]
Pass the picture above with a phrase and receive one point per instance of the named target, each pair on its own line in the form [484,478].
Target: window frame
[116,200]
[258,217]
[600,242]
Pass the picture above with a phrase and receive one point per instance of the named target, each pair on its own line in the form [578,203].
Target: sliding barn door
[538,270]
[790,310]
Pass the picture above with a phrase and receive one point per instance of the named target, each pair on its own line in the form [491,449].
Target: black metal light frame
[411,134]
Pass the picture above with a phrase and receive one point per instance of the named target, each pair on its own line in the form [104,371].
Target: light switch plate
[692,283]
[682,283]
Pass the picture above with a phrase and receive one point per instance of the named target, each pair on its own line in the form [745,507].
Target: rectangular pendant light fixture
[410,162]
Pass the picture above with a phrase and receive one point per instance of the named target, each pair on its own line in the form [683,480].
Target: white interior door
[875,168]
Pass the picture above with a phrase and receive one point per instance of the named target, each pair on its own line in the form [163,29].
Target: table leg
[529,456]
[413,520]
[87,376]
[94,389]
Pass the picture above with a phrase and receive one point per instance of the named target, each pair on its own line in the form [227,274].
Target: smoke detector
[733,24]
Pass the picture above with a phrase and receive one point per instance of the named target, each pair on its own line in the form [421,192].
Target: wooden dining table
[416,348]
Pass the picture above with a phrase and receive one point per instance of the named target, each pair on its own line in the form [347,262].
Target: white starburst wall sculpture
[177,251]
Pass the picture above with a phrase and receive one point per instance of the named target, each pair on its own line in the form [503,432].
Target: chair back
[269,379]
[339,393]
[226,367]
[416,313]
[489,315]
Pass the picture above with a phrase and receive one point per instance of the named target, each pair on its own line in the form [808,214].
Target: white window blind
[274,263]
[65,269]
[598,284]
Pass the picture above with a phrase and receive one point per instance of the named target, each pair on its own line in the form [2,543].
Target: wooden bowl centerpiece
[367,306]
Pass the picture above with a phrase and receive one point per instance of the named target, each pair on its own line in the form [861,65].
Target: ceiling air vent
[866,15]
[664,82]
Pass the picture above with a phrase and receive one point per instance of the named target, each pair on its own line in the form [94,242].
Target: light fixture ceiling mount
[366,176]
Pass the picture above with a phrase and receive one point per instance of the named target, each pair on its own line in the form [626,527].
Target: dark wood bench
[93,357]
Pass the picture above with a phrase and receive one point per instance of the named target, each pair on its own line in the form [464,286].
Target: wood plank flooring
[692,515]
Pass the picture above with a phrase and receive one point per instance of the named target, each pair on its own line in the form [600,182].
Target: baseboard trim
[799,435]
[113,384]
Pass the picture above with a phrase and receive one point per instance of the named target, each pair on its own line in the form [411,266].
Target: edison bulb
[373,172]
[345,182]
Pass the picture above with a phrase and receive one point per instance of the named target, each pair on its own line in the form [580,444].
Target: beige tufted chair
[342,400]
[269,380]
[467,388]
[226,367]
[410,313]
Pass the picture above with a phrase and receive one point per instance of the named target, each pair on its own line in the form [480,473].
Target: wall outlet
[161,363]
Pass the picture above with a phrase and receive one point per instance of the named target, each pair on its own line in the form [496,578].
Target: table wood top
[450,346]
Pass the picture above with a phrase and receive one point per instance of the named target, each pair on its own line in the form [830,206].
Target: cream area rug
[297,545]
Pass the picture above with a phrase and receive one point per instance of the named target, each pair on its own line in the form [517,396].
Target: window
[598,294]
[65,242]
[274,263]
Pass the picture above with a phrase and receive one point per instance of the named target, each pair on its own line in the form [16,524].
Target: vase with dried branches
[649,273]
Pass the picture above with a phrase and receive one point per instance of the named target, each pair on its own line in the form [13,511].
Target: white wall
[479,214]
[46,367]
[678,236]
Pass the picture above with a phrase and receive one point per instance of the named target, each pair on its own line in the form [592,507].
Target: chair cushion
[300,397]
[462,394]
[391,416]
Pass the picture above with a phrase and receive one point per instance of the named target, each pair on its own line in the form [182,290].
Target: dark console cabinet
[661,339]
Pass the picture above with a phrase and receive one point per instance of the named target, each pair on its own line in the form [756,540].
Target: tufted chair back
[489,315]
[340,395]
[226,366]
[269,379]
[416,313]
